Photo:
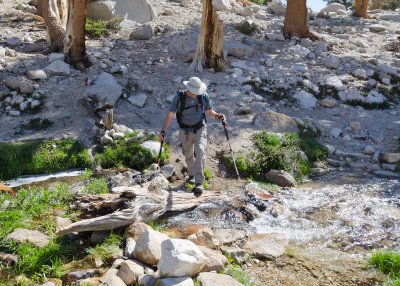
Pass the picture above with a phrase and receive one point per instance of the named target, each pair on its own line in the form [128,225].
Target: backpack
[180,107]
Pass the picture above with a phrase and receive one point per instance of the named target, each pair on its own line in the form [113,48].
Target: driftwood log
[145,203]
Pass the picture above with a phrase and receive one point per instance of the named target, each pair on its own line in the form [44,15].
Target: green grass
[238,274]
[387,262]
[246,27]
[94,185]
[37,124]
[107,248]
[208,174]
[258,2]
[156,225]
[41,157]
[100,28]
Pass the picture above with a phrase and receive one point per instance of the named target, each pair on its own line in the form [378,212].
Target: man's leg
[200,149]
[187,140]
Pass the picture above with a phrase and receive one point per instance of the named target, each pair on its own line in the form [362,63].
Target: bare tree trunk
[375,4]
[210,45]
[296,20]
[55,30]
[361,8]
[75,35]
[63,12]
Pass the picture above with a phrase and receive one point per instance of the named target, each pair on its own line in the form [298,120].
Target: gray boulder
[276,7]
[36,74]
[305,100]
[148,247]
[377,28]
[269,246]
[105,90]
[35,237]
[144,32]
[238,50]
[58,68]
[138,100]
[275,122]
[332,62]
[280,178]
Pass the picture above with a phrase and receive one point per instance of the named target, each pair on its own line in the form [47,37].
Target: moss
[41,157]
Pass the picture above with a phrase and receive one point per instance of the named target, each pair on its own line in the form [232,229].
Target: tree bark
[55,31]
[361,8]
[210,45]
[75,35]
[295,24]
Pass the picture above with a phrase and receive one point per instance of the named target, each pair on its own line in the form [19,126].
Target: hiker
[191,107]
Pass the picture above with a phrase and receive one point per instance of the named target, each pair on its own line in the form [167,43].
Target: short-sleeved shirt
[194,114]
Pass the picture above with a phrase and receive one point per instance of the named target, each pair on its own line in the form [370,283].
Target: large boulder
[280,178]
[269,246]
[130,271]
[334,7]
[221,5]
[148,247]
[238,50]
[215,261]
[276,7]
[105,90]
[214,279]
[58,67]
[179,258]
[275,122]
[143,32]
[35,237]
[140,11]
[305,99]
[204,237]
[135,230]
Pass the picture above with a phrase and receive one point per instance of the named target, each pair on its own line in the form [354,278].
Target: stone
[18,84]
[275,36]
[144,32]
[390,17]
[140,11]
[261,15]
[333,7]
[355,125]
[138,100]
[386,81]
[204,237]
[8,259]
[269,246]
[56,56]
[387,174]
[239,255]
[36,74]
[147,280]
[221,5]
[112,280]
[377,28]
[374,97]
[215,261]
[228,236]
[361,73]
[332,62]
[183,45]
[14,41]
[81,274]
[62,222]
[275,122]
[305,100]
[99,236]
[148,247]
[385,68]
[369,150]
[246,12]
[214,279]
[152,146]
[105,90]
[106,140]
[180,257]
[35,237]
[280,178]
[335,132]
[390,158]
[135,230]
[130,271]
[168,170]
[58,68]
[334,82]
[26,89]
[276,7]
[238,50]
[130,247]
[300,51]
[328,103]
[179,281]
[24,106]
[305,42]
[35,104]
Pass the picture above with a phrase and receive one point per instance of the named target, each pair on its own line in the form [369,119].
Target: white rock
[179,281]
[106,139]
[360,73]
[375,97]
[276,7]
[152,146]
[334,7]
[332,62]
[144,32]
[341,12]
[130,247]
[130,271]
[300,51]
[305,100]
[58,68]
[138,100]
[105,90]
[148,245]
[56,56]
[334,82]
[261,15]
[180,257]
[221,5]
[377,28]
[246,12]
[36,74]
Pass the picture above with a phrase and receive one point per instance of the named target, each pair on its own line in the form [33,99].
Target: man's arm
[167,121]
[213,114]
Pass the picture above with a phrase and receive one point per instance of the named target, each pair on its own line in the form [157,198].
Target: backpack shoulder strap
[180,106]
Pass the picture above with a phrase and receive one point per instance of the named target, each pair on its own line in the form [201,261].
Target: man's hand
[220,116]
[162,135]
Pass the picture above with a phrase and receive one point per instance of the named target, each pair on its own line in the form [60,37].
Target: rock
[152,146]
[35,104]
[276,7]
[377,28]
[36,74]
[106,140]
[246,12]
[168,170]
[58,68]
[213,279]
[48,284]
[374,97]
[300,51]
[332,62]
[35,237]
[81,274]
[238,254]
[238,50]
[361,73]
[56,56]
[390,17]
[147,280]
[341,12]
[275,122]
[144,32]
[8,259]
[138,100]
[62,222]
[275,36]
[328,103]
[112,280]
[390,158]
[386,81]
[105,90]
[387,174]
[130,271]
[140,11]
[180,257]
[135,230]
[14,42]
[215,261]
[333,7]
[280,178]
[184,45]
[26,89]
[335,132]
[355,126]
[99,236]
[130,247]
[148,247]
[334,82]
[204,237]
[221,5]
[24,106]
[305,100]
[168,12]
[180,281]
[18,84]
[270,246]
[387,69]
[369,150]
[228,236]
[261,15]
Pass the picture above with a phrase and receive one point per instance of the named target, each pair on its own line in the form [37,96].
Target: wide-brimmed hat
[195,85]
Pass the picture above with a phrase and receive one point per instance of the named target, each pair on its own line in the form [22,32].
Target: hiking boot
[199,189]
[190,180]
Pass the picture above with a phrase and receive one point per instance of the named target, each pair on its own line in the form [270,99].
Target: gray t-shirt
[193,114]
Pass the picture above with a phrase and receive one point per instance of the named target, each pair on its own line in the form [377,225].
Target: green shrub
[387,262]
[390,4]
[41,157]
[99,28]
[246,27]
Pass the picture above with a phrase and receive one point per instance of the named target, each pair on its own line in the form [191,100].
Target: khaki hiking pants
[195,143]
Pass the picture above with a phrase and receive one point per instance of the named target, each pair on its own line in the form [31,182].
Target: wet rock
[105,90]
[58,68]
[280,178]
[305,100]
[213,279]
[180,258]
[36,74]
[390,158]
[135,230]
[144,32]
[269,246]
[130,247]
[35,237]
[275,122]
[148,247]
[238,254]
[138,100]
[130,271]
[215,261]
[228,236]
[75,276]
[180,281]
[204,237]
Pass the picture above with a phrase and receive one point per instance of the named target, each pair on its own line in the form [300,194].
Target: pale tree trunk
[361,7]
[210,45]
[74,46]
[55,30]
[375,4]
[295,24]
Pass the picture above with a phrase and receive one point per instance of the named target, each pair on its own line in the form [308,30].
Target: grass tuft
[100,28]
[107,248]
[387,262]
[208,174]
[238,274]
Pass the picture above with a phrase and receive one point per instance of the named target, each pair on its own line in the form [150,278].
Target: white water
[41,178]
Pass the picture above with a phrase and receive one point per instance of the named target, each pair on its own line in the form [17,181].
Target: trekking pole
[231,151]
[159,154]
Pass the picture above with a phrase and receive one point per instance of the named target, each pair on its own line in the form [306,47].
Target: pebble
[14,113]
[369,150]
[355,126]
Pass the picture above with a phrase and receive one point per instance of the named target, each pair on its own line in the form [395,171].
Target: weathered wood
[108,119]
[361,8]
